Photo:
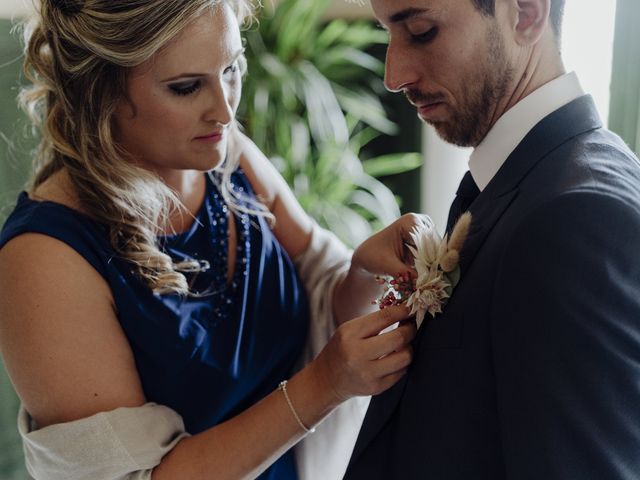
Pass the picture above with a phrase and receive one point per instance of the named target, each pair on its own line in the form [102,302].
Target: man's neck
[510,129]
[535,71]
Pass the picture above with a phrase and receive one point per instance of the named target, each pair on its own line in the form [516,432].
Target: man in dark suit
[533,369]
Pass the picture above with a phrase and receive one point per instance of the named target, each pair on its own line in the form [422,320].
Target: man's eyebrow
[406,14]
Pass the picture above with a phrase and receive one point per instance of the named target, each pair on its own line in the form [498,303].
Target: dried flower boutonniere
[437,271]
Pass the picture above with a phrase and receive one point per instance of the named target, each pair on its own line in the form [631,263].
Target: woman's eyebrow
[235,56]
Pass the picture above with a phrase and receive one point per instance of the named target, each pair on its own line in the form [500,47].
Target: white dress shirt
[487,158]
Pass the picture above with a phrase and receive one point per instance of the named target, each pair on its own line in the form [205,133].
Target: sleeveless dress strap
[78,231]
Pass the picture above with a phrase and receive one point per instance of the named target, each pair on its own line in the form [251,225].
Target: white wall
[443,168]
[587,46]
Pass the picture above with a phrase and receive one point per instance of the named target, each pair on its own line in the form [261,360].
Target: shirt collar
[487,158]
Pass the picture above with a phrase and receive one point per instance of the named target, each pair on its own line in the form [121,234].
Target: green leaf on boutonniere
[454,277]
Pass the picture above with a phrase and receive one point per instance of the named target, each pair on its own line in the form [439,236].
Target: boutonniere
[437,271]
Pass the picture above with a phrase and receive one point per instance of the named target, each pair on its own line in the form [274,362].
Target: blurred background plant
[311,102]
[15,163]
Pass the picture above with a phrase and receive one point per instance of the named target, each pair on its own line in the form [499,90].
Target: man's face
[451,62]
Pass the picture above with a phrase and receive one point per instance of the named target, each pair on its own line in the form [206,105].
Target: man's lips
[427,104]
[429,109]
[418,98]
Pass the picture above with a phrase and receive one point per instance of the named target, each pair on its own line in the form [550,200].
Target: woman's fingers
[386,252]
[358,360]
[394,362]
[372,324]
[389,342]
[391,369]
[387,382]
[411,220]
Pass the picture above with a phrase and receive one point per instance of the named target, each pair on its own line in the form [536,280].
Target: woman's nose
[219,107]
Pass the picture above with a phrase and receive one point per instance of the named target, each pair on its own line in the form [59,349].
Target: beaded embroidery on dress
[214,219]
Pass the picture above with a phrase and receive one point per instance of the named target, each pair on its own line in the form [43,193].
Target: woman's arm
[62,344]
[69,359]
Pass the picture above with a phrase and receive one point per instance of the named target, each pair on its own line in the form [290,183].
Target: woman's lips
[212,137]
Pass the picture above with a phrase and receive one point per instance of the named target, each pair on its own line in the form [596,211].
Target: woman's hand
[386,252]
[359,361]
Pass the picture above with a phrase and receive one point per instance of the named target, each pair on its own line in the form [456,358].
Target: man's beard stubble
[468,126]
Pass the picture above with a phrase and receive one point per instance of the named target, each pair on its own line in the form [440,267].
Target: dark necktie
[466,194]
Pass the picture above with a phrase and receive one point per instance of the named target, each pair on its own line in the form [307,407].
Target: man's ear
[533,19]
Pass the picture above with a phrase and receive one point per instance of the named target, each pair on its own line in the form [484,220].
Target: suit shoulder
[587,224]
[596,161]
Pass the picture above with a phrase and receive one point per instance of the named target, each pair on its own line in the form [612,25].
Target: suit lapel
[573,119]
[486,211]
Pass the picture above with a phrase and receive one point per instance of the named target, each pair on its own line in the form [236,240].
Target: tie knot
[468,188]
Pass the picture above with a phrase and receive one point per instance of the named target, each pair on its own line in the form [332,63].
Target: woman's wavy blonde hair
[77,56]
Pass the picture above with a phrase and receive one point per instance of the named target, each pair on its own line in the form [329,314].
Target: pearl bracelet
[283,387]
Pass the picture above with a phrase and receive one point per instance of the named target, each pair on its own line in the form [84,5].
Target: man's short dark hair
[488,7]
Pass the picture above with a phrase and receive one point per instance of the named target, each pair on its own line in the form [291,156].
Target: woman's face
[183,100]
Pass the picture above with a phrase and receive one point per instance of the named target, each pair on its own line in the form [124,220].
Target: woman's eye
[425,37]
[185,88]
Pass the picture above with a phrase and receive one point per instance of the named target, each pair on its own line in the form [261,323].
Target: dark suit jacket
[533,369]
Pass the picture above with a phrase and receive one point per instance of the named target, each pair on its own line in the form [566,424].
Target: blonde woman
[151,316]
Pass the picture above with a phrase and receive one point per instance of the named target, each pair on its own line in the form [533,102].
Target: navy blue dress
[208,357]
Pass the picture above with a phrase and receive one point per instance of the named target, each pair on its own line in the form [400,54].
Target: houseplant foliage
[311,103]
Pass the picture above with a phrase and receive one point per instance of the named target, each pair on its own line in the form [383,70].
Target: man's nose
[399,71]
